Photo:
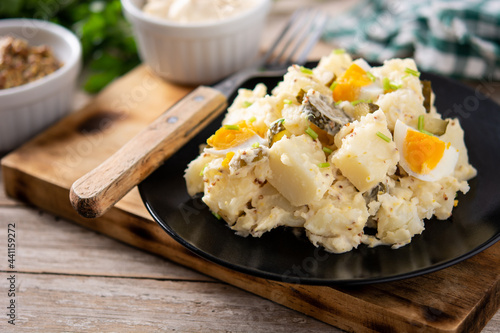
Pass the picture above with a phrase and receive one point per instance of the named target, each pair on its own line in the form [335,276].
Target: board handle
[98,190]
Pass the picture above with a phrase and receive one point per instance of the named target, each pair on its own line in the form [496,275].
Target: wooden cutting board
[461,298]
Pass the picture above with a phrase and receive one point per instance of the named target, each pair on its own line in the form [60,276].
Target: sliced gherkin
[275,128]
[243,161]
[434,125]
[364,108]
[300,95]
[371,195]
[427,92]
[329,83]
[324,114]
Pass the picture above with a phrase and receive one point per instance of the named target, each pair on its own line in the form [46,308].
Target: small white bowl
[197,53]
[28,109]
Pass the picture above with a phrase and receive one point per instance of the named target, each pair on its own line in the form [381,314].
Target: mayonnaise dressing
[197,11]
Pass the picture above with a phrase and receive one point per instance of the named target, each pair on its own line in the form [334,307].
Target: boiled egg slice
[231,138]
[424,156]
[357,84]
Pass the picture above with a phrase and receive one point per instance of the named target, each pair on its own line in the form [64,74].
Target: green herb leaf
[334,84]
[327,150]
[412,72]
[388,85]
[96,81]
[232,127]
[203,170]
[306,70]
[420,125]
[426,132]
[311,133]
[324,165]
[383,136]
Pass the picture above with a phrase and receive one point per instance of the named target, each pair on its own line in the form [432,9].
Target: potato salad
[348,153]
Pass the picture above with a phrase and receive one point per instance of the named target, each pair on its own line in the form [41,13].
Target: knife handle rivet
[172,119]
[198,98]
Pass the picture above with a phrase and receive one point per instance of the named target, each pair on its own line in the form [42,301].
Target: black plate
[282,256]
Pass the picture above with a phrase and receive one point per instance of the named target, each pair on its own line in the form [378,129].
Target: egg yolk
[422,152]
[227,159]
[231,136]
[350,83]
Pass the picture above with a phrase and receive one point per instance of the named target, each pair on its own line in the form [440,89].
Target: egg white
[373,90]
[445,166]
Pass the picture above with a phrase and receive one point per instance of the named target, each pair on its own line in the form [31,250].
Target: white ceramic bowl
[28,109]
[197,53]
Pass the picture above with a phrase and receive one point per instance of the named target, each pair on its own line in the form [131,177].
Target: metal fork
[98,190]
[292,46]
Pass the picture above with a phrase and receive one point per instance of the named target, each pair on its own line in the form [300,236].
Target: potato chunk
[398,219]
[296,169]
[363,157]
[194,173]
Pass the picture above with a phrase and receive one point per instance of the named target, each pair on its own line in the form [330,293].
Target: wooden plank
[107,304]
[102,254]
[50,248]
[4,199]
[49,244]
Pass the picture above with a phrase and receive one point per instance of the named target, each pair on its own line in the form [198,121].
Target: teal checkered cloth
[453,38]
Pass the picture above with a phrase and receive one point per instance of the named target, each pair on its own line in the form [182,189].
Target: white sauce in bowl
[197,11]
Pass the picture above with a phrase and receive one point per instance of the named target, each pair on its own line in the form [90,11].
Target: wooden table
[72,279]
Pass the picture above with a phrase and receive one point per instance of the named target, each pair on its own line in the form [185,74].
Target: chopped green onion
[306,70]
[354,103]
[327,150]
[252,119]
[338,102]
[334,84]
[371,76]
[255,145]
[311,133]
[216,215]
[412,72]
[247,104]
[388,85]
[203,170]
[338,51]
[324,165]
[287,101]
[383,136]
[232,127]
[420,125]
[426,132]
[279,121]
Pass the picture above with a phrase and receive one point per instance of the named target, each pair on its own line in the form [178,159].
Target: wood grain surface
[73,279]
[96,191]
